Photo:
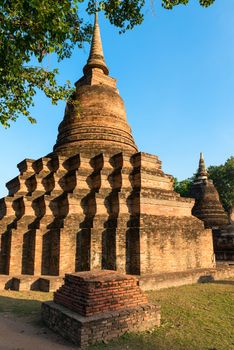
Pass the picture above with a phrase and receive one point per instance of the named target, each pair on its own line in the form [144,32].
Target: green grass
[196,317]
[23,303]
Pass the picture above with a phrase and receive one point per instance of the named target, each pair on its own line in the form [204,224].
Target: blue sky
[176,75]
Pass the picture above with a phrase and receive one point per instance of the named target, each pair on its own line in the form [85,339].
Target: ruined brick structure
[95,202]
[224,241]
[99,306]
[207,205]
[208,208]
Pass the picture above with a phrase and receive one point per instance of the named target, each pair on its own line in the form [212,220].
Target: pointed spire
[202,172]
[96,56]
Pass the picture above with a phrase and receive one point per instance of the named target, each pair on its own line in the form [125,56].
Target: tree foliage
[183,187]
[29,30]
[223,179]
[169,4]
[32,29]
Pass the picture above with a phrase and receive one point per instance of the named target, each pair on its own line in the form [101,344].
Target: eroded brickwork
[99,305]
[92,293]
[224,240]
[105,212]
[209,209]
[207,205]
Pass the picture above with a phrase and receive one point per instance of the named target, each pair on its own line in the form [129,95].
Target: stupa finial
[202,172]
[96,57]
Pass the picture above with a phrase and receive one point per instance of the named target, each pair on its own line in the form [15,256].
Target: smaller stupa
[207,205]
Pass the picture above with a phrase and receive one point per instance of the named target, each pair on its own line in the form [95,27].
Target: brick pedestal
[99,305]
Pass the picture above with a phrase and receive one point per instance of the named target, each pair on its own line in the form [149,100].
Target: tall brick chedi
[95,202]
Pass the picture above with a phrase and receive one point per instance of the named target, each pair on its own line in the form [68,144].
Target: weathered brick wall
[224,243]
[174,244]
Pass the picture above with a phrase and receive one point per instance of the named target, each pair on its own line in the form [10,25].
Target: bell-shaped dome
[207,205]
[95,117]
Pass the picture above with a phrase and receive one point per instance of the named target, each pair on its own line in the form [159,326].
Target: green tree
[183,187]
[169,4]
[32,29]
[223,178]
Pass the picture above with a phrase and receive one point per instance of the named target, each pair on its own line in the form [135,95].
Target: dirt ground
[25,333]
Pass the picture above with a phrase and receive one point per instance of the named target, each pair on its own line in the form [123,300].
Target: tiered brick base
[99,305]
[117,212]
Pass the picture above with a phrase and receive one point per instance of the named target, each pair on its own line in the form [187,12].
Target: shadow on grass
[210,279]
[231,282]
[19,307]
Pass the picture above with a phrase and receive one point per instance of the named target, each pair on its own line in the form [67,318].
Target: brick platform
[175,279]
[99,305]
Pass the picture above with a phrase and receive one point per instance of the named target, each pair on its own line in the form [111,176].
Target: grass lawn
[196,317]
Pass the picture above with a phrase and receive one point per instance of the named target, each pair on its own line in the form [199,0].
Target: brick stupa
[209,209]
[207,205]
[95,202]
